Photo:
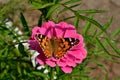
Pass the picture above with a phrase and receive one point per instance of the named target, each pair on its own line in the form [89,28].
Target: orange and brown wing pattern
[64,44]
[45,44]
[58,46]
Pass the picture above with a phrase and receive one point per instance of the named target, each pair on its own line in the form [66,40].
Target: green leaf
[21,49]
[76,22]
[57,69]
[63,10]
[62,76]
[113,46]
[116,33]
[90,11]
[24,23]
[99,64]
[70,1]
[19,69]
[52,9]
[40,21]
[86,18]
[106,26]
[40,74]
[87,27]
[40,6]
[93,22]
[104,49]
[56,1]
[64,19]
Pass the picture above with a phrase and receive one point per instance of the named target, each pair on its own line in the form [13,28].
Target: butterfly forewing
[45,44]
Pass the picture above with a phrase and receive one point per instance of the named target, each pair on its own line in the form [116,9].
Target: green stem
[52,74]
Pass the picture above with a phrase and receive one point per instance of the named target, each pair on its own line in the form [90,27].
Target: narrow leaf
[40,21]
[90,11]
[86,18]
[117,32]
[67,18]
[106,26]
[70,1]
[93,22]
[21,49]
[104,49]
[24,23]
[63,10]
[112,46]
[87,27]
[99,64]
[52,9]
[40,74]
[76,22]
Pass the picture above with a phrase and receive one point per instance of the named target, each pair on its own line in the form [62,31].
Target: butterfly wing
[45,44]
[63,45]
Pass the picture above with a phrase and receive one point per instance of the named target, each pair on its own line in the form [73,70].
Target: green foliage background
[15,62]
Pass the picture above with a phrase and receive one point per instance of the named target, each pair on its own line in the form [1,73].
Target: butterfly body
[56,47]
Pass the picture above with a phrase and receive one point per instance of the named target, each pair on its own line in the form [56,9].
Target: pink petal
[66,69]
[76,53]
[71,63]
[58,32]
[48,24]
[35,31]
[70,60]
[50,63]
[78,61]
[53,59]
[61,63]
[40,60]
[70,33]
[65,30]
[84,52]
[33,45]
[47,28]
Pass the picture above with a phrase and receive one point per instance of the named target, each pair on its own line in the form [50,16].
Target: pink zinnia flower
[72,56]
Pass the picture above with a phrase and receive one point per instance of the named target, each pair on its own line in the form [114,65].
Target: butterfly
[56,47]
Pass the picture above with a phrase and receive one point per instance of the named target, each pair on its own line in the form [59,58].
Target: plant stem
[52,74]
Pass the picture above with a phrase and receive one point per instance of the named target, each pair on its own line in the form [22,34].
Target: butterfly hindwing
[45,44]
